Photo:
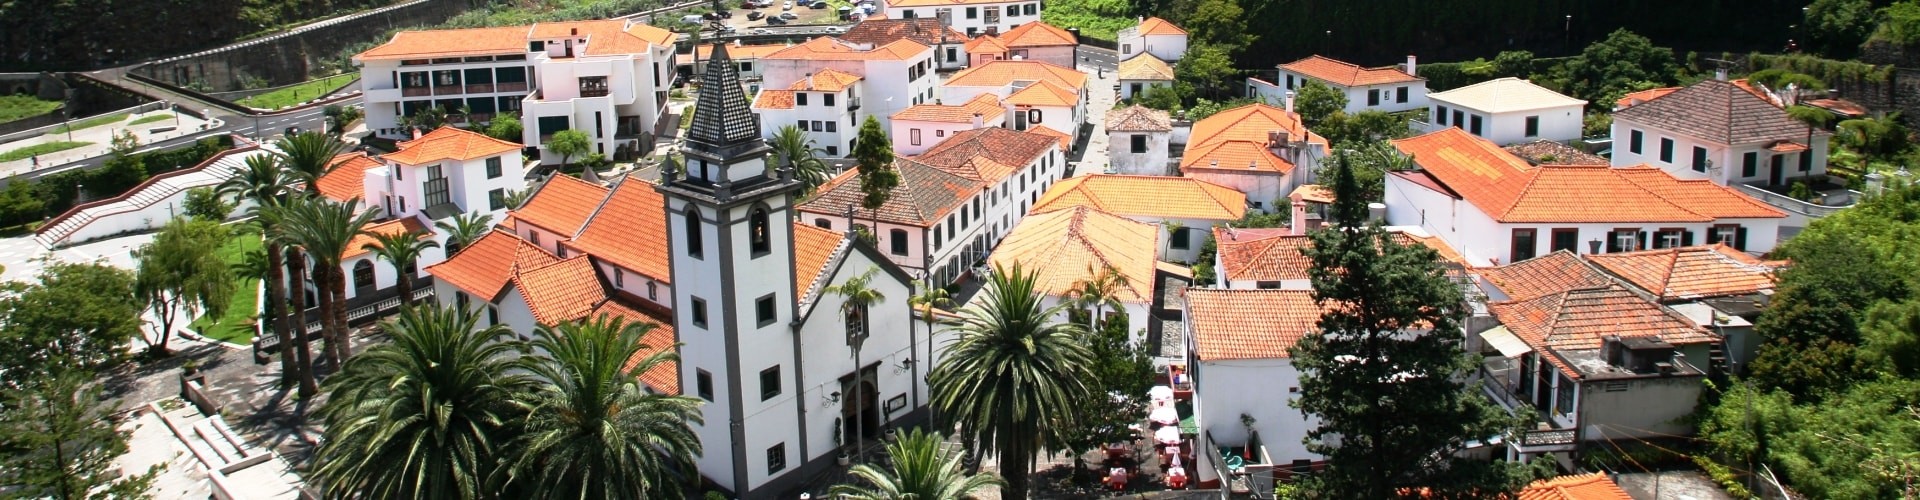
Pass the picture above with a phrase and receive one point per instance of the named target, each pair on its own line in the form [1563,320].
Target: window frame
[770,383]
[1531,249]
[766,310]
[1533,126]
[697,312]
[703,384]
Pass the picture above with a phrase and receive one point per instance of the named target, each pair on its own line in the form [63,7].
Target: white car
[759,31]
[835,29]
[787,6]
[789,16]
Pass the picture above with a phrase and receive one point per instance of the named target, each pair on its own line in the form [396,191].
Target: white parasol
[1164,415]
[1167,435]
[1160,393]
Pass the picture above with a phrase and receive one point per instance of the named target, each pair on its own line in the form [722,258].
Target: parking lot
[802,14]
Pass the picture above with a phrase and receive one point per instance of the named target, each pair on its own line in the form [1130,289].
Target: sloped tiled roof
[664,377]
[561,291]
[1545,152]
[1038,34]
[935,3]
[629,230]
[1066,141]
[1581,318]
[1236,138]
[1717,111]
[985,44]
[481,269]
[925,30]
[773,99]
[1146,196]
[427,44]
[1690,272]
[1504,95]
[449,143]
[1006,71]
[1507,189]
[1234,156]
[1060,247]
[826,80]
[1593,486]
[606,36]
[347,179]
[987,154]
[1633,98]
[1312,193]
[1346,74]
[736,51]
[1137,118]
[1546,274]
[1044,93]
[986,105]
[1249,324]
[562,205]
[358,245]
[813,249]
[1274,254]
[1158,26]
[1144,66]
[923,198]
[832,49]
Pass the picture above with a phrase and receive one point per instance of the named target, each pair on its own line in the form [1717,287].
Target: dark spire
[723,123]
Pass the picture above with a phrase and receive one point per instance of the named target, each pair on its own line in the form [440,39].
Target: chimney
[809,81]
[1411,66]
[1720,74]
[1299,217]
[979,122]
[736,42]
[416,133]
[1289,101]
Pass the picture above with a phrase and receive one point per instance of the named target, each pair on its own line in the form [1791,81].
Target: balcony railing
[853,103]
[1547,433]
[510,87]
[1829,205]
[416,91]
[593,92]
[479,88]
[446,89]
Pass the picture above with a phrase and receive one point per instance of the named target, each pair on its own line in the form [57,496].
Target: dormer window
[758,232]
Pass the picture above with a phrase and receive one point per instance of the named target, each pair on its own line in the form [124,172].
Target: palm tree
[928,298]
[592,431]
[517,197]
[308,156]
[403,250]
[325,230]
[924,468]
[1013,377]
[425,416]
[797,150]
[464,229]
[1100,290]
[267,185]
[857,297]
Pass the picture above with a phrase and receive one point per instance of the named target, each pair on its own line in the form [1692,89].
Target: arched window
[758,232]
[363,276]
[693,232]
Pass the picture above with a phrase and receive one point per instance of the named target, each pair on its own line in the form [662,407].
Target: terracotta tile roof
[826,80]
[1690,272]
[1038,34]
[562,205]
[1235,156]
[1633,98]
[664,377]
[1503,95]
[606,36]
[813,249]
[427,44]
[735,51]
[1137,118]
[1236,138]
[1545,152]
[1312,193]
[1158,26]
[986,104]
[449,143]
[1347,74]
[987,154]
[1144,66]
[562,291]
[1146,196]
[1004,72]
[1717,111]
[935,3]
[1786,147]
[1044,93]
[347,179]
[1507,189]
[1249,324]
[925,30]
[629,230]
[1274,254]
[1066,141]
[1546,274]
[1594,486]
[1842,107]
[773,99]
[1582,318]
[358,245]
[832,49]
[985,44]
[924,197]
[1061,246]
[481,269]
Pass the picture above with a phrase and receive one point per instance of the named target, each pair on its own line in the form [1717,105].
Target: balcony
[510,87]
[853,103]
[479,88]
[416,92]
[593,92]
[1826,201]
[1499,380]
[446,89]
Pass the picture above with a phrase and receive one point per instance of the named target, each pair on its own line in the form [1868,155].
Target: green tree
[206,204]
[1513,63]
[1608,66]
[426,119]
[124,143]
[340,117]
[58,440]
[1899,23]
[1121,367]
[857,298]
[1208,68]
[464,229]
[1369,164]
[1014,378]
[308,156]
[506,127]
[1883,138]
[428,415]
[1219,23]
[20,202]
[1163,98]
[325,230]
[568,143]
[517,197]
[873,155]
[1097,292]
[403,251]
[1836,28]
[592,431]
[266,185]
[1316,102]
[179,278]
[796,150]
[80,316]
[1810,328]
[922,467]
[1393,401]
[118,174]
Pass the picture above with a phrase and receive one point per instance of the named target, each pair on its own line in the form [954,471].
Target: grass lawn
[14,107]
[298,93]
[88,123]
[40,149]
[235,326]
[150,119]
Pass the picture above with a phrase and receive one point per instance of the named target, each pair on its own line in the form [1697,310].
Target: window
[769,383]
[1180,237]
[833,150]
[1806,161]
[913,137]
[757,232]
[833,126]
[460,300]
[493,167]
[1373,97]
[1750,164]
[1731,234]
[533,237]
[1672,237]
[817,126]
[1699,159]
[799,98]
[1400,95]
[776,458]
[1524,245]
[692,228]
[1666,150]
[939,133]
[1633,141]
[619,278]
[1533,126]
[1566,238]
[1623,240]
[653,291]
[822,223]
[699,312]
[436,188]
[703,384]
[936,238]
[763,310]
[856,321]
[1031,10]
[497,199]
[898,241]
[1439,115]
[803,125]
[826,100]
[363,275]
[493,315]
[1289,82]
[973,12]
[1475,125]
[908,14]
[1459,118]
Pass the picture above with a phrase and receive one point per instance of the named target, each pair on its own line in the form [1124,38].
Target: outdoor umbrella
[1160,393]
[1164,415]
[1167,435]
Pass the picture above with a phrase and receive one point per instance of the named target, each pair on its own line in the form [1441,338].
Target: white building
[1153,35]
[445,172]
[484,70]
[1719,131]
[1260,150]
[1138,139]
[1493,207]
[1064,247]
[1035,41]
[556,212]
[1508,111]
[1036,93]
[825,105]
[918,128]
[1264,258]
[746,58]
[1237,353]
[895,75]
[947,43]
[1142,73]
[1387,89]
[1183,210]
[971,16]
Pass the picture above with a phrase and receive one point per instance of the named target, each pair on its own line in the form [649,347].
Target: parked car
[755,15]
[760,31]
[787,6]
[818,5]
[776,21]
[788,16]
[835,29]
[721,29]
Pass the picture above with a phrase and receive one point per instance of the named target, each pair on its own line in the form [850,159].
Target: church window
[703,382]
[764,310]
[693,232]
[856,324]
[758,229]
[699,312]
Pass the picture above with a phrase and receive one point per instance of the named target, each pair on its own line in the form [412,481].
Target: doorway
[1778,169]
[860,412]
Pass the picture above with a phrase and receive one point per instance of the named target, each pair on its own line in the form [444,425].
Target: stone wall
[288,58]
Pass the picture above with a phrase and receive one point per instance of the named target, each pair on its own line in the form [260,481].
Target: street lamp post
[1569,32]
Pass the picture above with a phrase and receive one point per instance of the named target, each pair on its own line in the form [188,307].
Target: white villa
[1260,150]
[1720,131]
[892,77]
[1508,111]
[1038,94]
[919,128]
[825,105]
[1184,210]
[1035,41]
[1387,89]
[1138,139]
[1156,36]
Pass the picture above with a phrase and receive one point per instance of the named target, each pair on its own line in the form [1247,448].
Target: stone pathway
[1100,99]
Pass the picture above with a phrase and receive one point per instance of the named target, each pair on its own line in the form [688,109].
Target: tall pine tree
[1393,409]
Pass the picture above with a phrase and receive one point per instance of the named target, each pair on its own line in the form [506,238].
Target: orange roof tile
[664,377]
[827,80]
[1158,26]
[1506,188]
[926,30]
[1346,74]
[1594,486]
[1146,196]
[933,3]
[1062,246]
[629,230]
[1004,72]
[988,154]
[1546,274]
[1274,254]
[1044,93]
[1633,98]
[562,205]
[1137,118]
[1066,141]
[1312,193]
[925,195]
[737,52]
[813,249]
[449,143]
[1251,123]
[427,44]
[986,105]
[346,180]
[1145,66]
[773,99]
[1249,324]
[985,44]
[1234,156]
[483,268]
[562,291]
[359,244]
[606,36]
[833,49]
[1038,34]
[1575,319]
[1690,272]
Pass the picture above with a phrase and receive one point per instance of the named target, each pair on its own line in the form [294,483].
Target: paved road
[1100,58]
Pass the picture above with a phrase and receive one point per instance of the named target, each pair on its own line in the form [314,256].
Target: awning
[1786,147]
[1505,341]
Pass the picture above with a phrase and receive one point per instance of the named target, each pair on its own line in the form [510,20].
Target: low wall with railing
[1830,204]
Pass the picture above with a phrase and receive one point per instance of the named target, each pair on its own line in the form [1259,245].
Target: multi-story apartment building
[971,16]
[893,76]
